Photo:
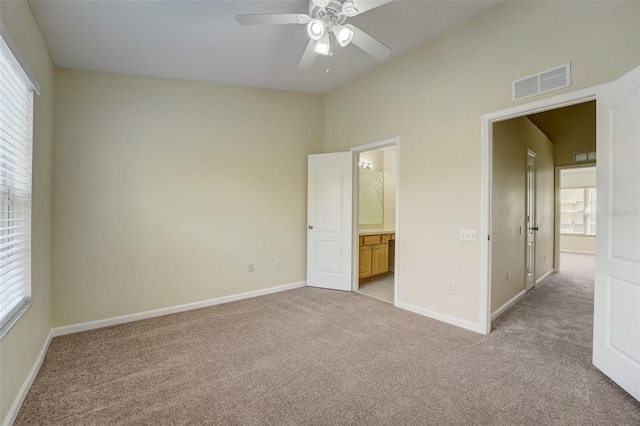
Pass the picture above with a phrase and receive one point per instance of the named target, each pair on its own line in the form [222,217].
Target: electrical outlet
[468,235]
[251,267]
[451,288]
[508,276]
[278,263]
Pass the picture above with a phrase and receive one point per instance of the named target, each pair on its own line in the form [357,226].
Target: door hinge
[489,237]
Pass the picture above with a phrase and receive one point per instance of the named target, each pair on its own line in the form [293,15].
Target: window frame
[16,65]
[586,213]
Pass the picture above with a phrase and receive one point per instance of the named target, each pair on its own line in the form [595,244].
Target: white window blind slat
[13,111]
[12,138]
[17,104]
[14,130]
[11,307]
[11,158]
[13,283]
[5,221]
[13,88]
[12,294]
[14,235]
[16,148]
[12,91]
[21,263]
[13,298]
[9,175]
[14,169]
[14,180]
[9,68]
[12,257]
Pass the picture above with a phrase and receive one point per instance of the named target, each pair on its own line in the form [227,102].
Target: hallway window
[578,211]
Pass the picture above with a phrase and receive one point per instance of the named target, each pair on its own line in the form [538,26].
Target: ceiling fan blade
[273,18]
[361,6]
[308,57]
[369,44]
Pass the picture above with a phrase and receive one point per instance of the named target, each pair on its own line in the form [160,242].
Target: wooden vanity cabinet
[365,264]
[380,259]
[374,255]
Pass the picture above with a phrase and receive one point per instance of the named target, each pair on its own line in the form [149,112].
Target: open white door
[616,328]
[329,221]
[532,227]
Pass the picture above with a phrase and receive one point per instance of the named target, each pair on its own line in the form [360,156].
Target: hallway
[561,305]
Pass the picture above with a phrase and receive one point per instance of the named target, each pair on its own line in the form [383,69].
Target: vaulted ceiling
[201,40]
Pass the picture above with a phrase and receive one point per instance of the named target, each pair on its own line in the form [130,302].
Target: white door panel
[329,208]
[616,331]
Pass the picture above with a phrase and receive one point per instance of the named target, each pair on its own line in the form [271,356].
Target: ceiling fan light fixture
[316,29]
[343,33]
[349,8]
[323,46]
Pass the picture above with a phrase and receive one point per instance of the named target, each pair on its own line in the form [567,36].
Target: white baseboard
[441,317]
[578,251]
[550,272]
[92,325]
[24,390]
[509,304]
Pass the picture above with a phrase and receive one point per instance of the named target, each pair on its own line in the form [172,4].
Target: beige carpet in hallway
[320,357]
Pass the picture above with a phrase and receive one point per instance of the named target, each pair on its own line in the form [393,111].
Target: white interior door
[532,227]
[329,221]
[616,328]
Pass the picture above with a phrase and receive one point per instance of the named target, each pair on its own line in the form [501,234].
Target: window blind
[16,144]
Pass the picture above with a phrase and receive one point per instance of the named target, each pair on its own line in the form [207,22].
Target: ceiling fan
[326,17]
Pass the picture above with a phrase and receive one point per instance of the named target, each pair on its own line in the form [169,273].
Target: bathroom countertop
[376,231]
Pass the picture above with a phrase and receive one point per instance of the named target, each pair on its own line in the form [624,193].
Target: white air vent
[542,82]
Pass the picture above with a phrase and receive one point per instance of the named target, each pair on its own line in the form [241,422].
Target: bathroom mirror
[371,197]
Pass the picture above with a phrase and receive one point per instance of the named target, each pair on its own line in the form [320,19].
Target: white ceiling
[201,40]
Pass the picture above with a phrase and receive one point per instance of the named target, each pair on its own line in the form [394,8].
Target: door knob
[310,226]
[534,228]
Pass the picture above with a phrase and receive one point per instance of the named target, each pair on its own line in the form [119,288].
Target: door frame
[557,206]
[355,152]
[486,147]
[532,219]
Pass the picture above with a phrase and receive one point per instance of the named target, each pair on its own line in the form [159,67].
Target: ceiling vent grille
[542,82]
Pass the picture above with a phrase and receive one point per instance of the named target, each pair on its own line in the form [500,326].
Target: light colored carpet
[381,289]
[320,357]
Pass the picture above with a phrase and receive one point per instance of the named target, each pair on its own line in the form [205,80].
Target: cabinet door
[365,262]
[380,259]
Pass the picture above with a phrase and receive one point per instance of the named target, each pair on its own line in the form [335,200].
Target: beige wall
[578,244]
[166,190]
[571,129]
[21,346]
[433,97]
[545,201]
[511,139]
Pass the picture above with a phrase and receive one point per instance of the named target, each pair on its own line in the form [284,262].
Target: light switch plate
[468,235]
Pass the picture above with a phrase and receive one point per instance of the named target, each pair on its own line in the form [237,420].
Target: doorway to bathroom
[375,209]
